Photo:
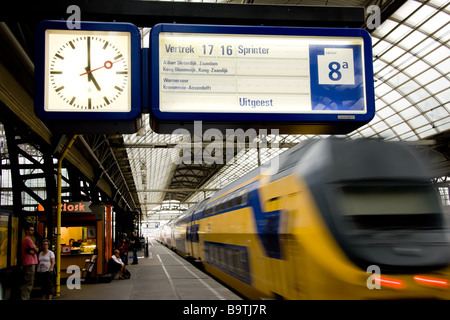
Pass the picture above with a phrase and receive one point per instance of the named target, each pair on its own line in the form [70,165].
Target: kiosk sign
[261,74]
[78,207]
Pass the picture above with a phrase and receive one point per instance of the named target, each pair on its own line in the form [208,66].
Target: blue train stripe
[267,223]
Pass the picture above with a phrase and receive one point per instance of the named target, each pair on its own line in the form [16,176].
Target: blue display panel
[92,73]
[269,75]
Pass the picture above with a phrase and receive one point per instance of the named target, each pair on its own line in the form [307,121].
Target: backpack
[126,274]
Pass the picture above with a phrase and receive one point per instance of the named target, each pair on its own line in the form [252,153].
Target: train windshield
[391,207]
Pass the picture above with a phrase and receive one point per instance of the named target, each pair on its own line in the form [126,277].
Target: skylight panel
[435,23]
[392,97]
[444,97]
[412,40]
[410,113]
[418,122]
[439,85]
[428,76]
[402,128]
[382,89]
[400,104]
[385,112]
[438,55]
[398,33]
[416,68]
[426,131]
[395,120]
[428,104]
[385,28]
[393,54]
[379,47]
[408,8]
[418,95]
[409,87]
[422,14]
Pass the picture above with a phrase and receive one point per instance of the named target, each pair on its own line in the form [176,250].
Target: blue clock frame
[92,117]
[321,120]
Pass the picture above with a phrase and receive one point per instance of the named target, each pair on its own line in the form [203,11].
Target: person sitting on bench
[115,264]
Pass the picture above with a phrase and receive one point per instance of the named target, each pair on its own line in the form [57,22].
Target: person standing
[45,270]
[135,245]
[29,262]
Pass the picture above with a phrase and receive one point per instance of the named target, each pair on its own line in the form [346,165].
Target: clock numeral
[59,56]
[106,100]
[121,72]
[118,88]
[59,89]
[118,57]
[72,101]
[55,72]
[106,44]
[72,45]
[89,103]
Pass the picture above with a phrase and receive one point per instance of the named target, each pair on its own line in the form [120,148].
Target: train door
[193,230]
[195,240]
[284,270]
[296,264]
[275,240]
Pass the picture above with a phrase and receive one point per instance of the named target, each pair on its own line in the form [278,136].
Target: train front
[385,216]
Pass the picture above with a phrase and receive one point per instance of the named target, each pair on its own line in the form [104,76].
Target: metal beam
[177,190]
[149,13]
[100,166]
[157,145]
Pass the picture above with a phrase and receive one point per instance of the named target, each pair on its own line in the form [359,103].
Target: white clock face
[87,71]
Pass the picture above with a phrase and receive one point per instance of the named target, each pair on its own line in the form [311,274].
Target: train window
[240,200]
[228,202]
[244,199]
[218,207]
[231,202]
[229,258]
[222,205]
[391,206]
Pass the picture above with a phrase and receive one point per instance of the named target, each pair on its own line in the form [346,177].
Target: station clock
[91,73]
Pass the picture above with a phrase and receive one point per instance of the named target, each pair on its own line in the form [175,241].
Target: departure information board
[226,73]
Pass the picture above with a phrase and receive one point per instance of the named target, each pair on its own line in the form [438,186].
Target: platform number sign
[337,78]
[336,66]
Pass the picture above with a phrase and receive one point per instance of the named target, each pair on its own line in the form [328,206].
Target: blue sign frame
[89,116]
[321,94]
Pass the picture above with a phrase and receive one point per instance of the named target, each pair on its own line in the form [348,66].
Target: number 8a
[334,74]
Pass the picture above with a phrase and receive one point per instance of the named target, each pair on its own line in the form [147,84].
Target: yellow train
[338,219]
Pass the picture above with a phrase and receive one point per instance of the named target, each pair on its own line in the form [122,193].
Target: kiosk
[86,238]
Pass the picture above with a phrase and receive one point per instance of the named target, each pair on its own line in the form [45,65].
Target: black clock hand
[89,54]
[88,68]
[91,78]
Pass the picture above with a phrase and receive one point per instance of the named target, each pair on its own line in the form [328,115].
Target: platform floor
[162,275]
